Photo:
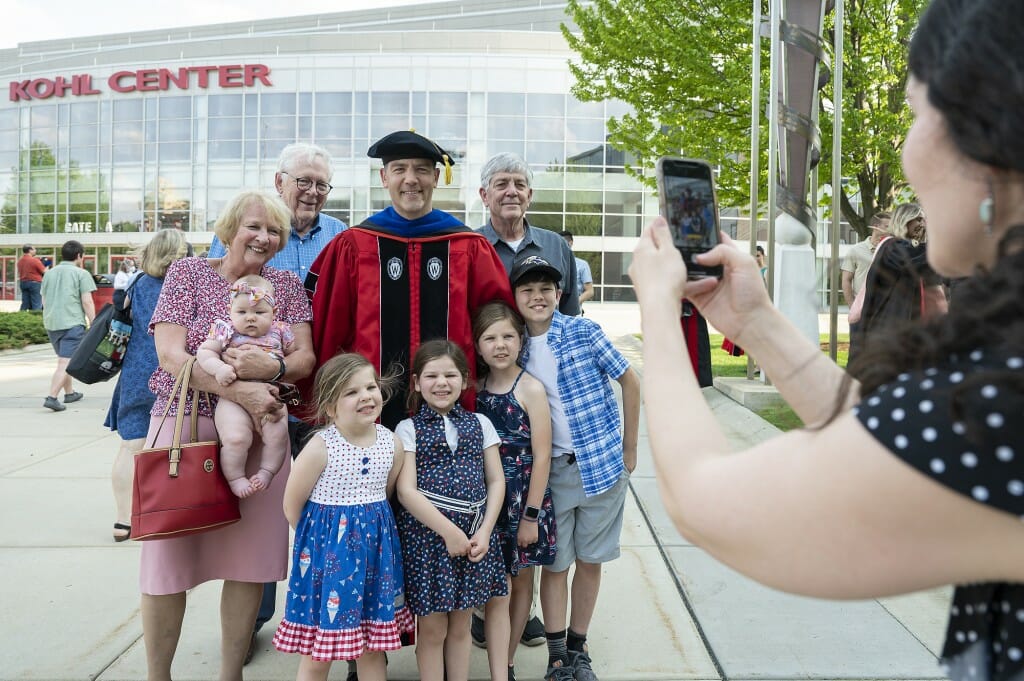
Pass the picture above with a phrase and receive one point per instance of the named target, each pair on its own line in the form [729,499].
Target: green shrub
[18,329]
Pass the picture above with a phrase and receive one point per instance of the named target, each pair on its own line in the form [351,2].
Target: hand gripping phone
[686,195]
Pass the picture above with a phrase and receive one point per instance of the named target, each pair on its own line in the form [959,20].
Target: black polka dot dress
[963,426]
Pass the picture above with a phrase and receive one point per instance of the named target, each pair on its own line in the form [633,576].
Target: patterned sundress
[513,426]
[435,581]
[345,591]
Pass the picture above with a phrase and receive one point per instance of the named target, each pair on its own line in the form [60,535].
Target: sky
[30,20]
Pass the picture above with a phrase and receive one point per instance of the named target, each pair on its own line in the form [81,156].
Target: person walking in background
[30,276]
[124,274]
[911,475]
[858,258]
[132,400]
[584,278]
[67,309]
[900,285]
[506,189]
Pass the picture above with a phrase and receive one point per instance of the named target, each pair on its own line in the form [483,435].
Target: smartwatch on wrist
[531,513]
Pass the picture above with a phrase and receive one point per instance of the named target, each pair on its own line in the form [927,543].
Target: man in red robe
[407,274]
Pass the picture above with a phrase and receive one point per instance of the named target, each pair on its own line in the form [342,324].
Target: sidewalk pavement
[667,610]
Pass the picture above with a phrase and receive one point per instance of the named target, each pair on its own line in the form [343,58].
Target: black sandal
[125,537]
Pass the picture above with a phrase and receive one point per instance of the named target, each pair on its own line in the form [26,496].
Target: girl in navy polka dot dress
[452,489]
[911,474]
[345,592]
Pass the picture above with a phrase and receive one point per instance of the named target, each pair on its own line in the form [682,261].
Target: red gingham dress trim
[346,644]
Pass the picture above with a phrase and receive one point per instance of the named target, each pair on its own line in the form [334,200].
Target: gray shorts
[65,341]
[588,528]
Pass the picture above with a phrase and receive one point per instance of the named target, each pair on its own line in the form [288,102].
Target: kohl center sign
[141,80]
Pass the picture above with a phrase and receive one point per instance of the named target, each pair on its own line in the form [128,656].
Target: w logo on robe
[434,268]
[395,268]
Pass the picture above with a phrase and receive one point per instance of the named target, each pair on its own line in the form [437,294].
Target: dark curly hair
[970,55]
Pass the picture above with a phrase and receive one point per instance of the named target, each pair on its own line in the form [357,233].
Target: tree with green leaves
[684,66]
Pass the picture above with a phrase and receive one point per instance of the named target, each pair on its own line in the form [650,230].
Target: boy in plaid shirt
[590,459]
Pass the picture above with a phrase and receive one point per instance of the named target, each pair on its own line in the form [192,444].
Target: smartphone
[686,195]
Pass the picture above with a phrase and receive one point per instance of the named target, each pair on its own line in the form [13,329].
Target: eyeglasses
[304,183]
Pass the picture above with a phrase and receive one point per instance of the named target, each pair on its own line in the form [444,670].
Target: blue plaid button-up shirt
[587,361]
[300,251]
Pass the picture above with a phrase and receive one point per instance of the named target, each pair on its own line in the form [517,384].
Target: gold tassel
[447,169]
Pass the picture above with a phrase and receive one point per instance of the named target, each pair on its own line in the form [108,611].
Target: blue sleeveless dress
[513,426]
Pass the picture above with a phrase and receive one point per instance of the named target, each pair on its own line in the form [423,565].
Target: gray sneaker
[557,672]
[580,662]
[52,403]
[72,397]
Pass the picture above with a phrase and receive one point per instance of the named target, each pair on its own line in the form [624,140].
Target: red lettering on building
[204,74]
[115,81]
[147,80]
[18,90]
[180,81]
[257,71]
[82,85]
[230,76]
[142,80]
[41,88]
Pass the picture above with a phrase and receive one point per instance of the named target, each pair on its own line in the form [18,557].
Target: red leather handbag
[179,489]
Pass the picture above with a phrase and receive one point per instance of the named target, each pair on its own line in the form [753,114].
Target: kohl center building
[106,139]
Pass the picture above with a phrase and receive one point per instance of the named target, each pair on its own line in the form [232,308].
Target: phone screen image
[690,208]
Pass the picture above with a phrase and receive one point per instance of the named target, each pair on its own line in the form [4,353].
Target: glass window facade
[116,163]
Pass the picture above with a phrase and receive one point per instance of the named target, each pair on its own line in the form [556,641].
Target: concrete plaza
[667,610]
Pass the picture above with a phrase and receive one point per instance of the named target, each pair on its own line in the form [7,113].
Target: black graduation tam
[408,144]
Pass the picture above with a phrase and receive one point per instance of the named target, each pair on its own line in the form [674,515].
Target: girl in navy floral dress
[517,405]
[451,488]
[345,593]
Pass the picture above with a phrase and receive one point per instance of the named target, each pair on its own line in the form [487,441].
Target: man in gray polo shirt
[505,189]
[67,309]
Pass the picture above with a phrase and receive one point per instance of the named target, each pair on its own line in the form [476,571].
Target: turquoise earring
[987,212]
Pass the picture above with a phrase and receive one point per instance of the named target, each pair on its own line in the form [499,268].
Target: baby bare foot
[241,487]
[261,480]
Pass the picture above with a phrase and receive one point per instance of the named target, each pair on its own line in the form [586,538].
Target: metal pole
[837,176]
[773,137]
[755,140]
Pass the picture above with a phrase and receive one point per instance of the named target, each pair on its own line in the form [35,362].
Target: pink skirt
[255,549]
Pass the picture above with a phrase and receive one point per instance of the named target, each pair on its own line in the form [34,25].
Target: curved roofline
[457,16]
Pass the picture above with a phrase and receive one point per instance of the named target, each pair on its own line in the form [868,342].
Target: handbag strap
[179,394]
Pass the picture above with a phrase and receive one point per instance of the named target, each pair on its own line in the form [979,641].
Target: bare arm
[588,292]
[208,357]
[495,476]
[254,364]
[396,466]
[848,294]
[306,470]
[827,513]
[88,307]
[533,399]
[630,384]
[739,307]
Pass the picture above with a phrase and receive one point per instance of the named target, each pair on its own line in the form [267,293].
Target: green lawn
[783,418]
